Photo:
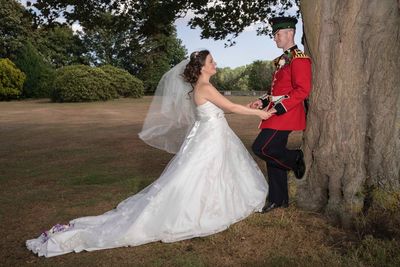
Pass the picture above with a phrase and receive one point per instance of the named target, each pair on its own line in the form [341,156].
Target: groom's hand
[255,104]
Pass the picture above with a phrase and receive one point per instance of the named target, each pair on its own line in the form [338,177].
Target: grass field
[63,161]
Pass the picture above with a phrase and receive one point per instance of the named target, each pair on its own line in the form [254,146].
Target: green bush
[11,80]
[123,82]
[39,73]
[81,83]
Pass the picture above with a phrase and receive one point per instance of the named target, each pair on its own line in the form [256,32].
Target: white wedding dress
[211,183]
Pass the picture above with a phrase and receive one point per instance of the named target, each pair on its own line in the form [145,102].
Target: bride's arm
[211,94]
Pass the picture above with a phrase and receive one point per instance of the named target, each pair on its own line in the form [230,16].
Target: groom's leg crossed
[270,145]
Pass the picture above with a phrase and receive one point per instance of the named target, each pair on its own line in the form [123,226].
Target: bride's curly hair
[193,68]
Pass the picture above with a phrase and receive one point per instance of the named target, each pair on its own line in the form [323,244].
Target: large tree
[352,143]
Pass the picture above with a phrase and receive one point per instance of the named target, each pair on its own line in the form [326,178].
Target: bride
[211,183]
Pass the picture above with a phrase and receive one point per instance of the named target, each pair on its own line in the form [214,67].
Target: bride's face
[210,66]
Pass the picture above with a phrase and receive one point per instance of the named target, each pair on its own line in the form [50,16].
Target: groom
[291,85]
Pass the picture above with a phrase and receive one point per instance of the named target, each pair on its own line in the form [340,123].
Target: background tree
[219,80]
[18,32]
[260,75]
[112,43]
[159,53]
[228,79]
[15,27]
[39,73]
[60,46]
[146,17]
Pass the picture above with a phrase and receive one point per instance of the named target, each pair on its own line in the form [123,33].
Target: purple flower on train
[55,229]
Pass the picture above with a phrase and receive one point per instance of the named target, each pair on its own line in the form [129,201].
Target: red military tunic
[291,81]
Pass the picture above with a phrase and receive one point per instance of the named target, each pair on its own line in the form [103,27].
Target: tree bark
[352,140]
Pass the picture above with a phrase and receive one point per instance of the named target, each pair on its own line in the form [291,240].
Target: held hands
[265,115]
[255,105]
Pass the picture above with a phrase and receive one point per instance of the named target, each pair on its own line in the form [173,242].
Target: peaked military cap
[279,23]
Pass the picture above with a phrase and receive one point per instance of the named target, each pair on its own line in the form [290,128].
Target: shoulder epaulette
[276,60]
[297,53]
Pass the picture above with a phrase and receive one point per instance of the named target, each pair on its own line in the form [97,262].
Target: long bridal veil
[171,113]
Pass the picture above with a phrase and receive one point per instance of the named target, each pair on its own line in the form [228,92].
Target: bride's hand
[265,115]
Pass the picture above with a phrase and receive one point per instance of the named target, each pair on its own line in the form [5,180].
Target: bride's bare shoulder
[205,87]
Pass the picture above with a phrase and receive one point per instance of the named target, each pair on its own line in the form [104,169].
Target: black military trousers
[270,145]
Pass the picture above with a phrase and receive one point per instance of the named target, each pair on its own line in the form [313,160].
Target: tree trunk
[352,141]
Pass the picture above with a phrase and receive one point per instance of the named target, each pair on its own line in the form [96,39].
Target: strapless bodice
[208,111]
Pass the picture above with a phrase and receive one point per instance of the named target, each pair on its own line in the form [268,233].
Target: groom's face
[210,66]
[283,38]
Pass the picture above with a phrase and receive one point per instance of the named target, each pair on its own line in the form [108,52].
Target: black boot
[300,165]
[271,206]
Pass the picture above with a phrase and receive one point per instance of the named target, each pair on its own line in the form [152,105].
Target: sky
[249,46]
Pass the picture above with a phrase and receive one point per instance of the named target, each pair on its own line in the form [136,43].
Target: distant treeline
[254,77]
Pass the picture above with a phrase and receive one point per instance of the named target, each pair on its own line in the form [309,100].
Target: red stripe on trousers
[277,161]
